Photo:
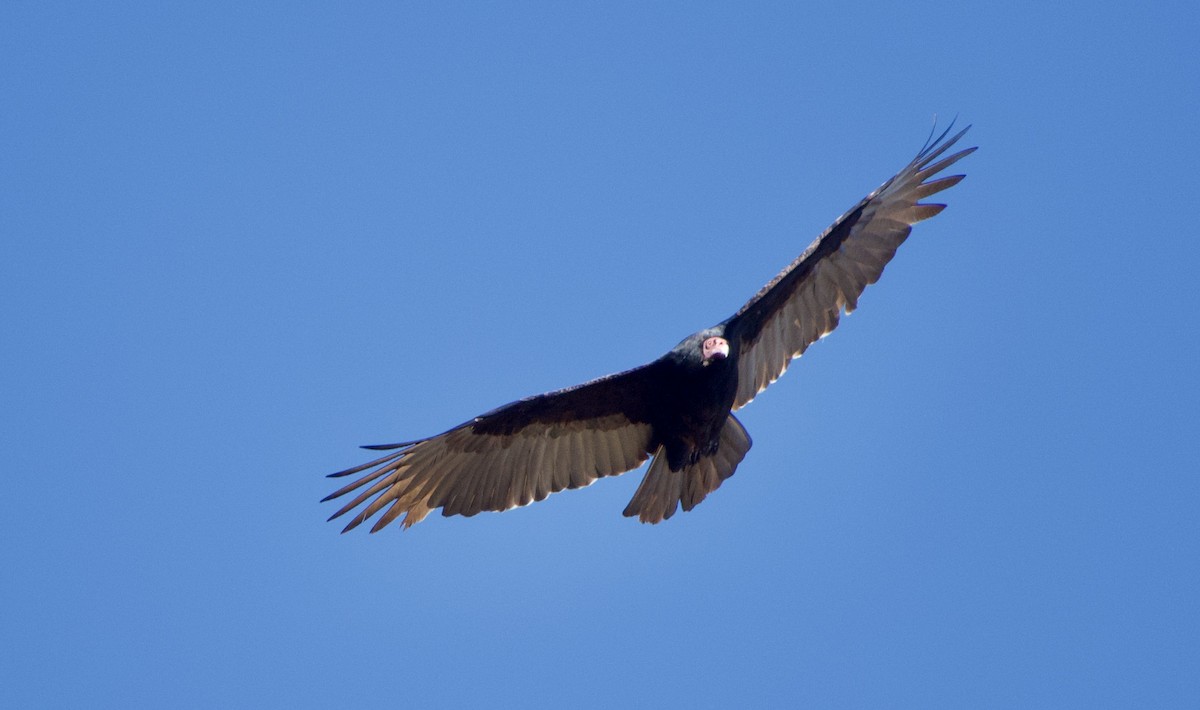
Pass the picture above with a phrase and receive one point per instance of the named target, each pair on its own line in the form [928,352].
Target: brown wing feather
[804,302]
[511,456]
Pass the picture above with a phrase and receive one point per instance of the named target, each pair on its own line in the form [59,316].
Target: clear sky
[240,239]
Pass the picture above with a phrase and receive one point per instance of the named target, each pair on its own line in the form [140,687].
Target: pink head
[715,348]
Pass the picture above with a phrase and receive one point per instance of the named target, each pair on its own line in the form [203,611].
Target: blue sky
[240,241]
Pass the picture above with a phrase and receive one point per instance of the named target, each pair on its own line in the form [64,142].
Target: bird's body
[693,400]
[678,408]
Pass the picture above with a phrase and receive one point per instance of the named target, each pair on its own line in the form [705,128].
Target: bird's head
[714,349]
[705,348]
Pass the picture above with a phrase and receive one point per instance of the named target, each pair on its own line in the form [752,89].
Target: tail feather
[662,490]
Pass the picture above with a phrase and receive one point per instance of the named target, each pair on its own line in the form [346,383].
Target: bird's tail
[662,490]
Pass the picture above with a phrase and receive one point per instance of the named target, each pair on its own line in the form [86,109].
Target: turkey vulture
[677,409]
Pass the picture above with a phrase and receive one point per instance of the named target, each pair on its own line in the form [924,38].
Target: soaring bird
[677,409]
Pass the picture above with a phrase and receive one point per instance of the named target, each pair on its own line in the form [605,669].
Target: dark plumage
[677,408]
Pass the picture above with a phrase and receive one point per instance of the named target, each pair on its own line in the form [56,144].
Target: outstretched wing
[511,456]
[804,301]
